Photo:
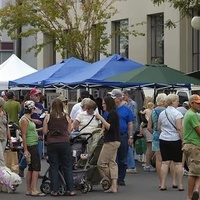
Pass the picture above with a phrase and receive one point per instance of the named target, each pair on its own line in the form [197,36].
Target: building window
[121,39]
[157,38]
[49,55]
[195,47]
[6,50]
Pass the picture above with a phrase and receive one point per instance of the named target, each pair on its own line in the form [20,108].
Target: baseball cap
[35,91]
[62,98]
[196,98]
[115,93]
[186,103]
[28,105]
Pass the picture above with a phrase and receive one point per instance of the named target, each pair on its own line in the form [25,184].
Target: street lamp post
[195,22]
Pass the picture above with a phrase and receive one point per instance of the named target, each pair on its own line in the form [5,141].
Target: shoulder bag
[169,120]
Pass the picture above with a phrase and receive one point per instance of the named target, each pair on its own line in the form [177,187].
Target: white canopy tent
[13,68]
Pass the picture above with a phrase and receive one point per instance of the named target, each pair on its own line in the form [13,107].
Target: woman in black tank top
[107,158]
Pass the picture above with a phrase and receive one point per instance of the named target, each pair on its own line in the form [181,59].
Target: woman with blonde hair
[171,136]
[153,128]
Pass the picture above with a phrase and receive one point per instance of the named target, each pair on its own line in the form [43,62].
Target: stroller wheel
[45,187]
[105,184]
[84,188]
[62,190]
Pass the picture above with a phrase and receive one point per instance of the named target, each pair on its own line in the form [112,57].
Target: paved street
[141,186]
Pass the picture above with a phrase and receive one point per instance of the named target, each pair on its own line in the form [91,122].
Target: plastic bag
[140,146]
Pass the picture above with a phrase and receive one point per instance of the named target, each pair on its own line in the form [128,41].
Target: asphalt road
[140,186]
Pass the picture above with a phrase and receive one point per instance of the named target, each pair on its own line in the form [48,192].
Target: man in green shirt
[12,108]
[191,146]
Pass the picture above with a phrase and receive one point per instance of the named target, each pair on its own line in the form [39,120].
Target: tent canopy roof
[13,68]
[154,75]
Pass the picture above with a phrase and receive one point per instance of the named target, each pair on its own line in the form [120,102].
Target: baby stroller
[78,143]
[16,139]
[94,147]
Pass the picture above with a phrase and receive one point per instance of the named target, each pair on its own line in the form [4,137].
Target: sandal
[54,194]
[71,193]
[39,194]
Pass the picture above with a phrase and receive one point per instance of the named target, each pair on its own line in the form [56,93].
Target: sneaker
[185,172]
[132,171]
[143,164]
[149,169]
[195,196]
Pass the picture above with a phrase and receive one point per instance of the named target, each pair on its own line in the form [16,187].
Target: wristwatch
[131,137]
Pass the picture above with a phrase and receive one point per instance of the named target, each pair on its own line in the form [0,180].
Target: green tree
[184,6]
[76,27]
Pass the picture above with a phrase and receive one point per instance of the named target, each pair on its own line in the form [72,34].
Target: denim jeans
[122,157]
[60,155]
[130,158]
[40,148]
[22,163]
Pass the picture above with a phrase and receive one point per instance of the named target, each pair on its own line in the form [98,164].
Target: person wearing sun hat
[30,145]
[191,146]
[126,133]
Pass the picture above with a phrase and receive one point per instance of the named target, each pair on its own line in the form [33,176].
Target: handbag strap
[169,120]
[87,123]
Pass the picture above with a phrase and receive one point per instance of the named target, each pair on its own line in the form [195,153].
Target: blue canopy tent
[55,72]
[96,73]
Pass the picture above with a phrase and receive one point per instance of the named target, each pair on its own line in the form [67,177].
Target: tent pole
[154,94]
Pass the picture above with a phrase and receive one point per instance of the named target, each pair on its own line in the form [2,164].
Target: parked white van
[184,93]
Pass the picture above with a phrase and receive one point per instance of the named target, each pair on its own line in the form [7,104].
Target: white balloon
[195,22]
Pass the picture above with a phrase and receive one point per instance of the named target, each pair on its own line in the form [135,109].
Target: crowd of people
[172,136]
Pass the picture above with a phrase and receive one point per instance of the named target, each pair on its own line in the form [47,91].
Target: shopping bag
[140,146]
[11,160]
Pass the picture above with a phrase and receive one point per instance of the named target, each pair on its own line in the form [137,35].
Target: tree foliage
[184,6]
[76,27]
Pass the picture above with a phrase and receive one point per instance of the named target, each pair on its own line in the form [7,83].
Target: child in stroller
[16,139]
[78,143]
[89,160]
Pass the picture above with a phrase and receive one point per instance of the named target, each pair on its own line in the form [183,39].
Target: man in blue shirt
[126,133]
[132,105]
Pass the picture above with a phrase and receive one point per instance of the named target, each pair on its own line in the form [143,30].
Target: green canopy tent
[154,76]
